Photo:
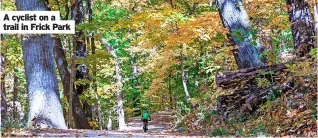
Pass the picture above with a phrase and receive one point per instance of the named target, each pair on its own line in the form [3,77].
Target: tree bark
[316,20]
[133,65]
[87,110]
[136,94]
[120,103]
[15,97]
[68,82]
[80,120]
[212,3]
[170,92]
[235,18]
[171,3]
[302,27]
[3,106]
[42,87]
[184,79]
[316,17]
[81,52]
[2,84]
[109,123]
[71,89]
[93,47]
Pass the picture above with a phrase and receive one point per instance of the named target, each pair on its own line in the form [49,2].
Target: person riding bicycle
[145,118]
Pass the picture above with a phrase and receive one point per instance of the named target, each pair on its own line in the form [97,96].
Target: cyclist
[145,118]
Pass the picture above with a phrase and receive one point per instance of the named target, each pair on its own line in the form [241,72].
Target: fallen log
[247,96]
[243,102]
[244,76]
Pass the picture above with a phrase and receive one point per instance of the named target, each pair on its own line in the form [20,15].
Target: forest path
[160,122]
[160,126]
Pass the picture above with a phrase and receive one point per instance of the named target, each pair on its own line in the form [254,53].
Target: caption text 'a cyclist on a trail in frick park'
[34,22]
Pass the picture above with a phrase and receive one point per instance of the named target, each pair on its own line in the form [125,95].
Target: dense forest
[199,67]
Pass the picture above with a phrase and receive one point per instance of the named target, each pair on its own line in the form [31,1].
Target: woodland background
[251,72]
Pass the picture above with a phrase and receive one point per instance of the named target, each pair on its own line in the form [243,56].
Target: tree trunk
[81,52]
[302,27]
[234,79]
[170,91]
[15,97]
[3,90]
[136,94]
[87,109]
[316,18]
[171,3]
[42,86]
[93,47]
[316,21]
[212,3]
[60,59]
[2,84]
[235,18]
[120,104]
[71,88]
[134,65]
[109,124]
[184,79]
[3,106]
[67,78]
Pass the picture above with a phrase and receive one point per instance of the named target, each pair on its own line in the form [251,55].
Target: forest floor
[160,126]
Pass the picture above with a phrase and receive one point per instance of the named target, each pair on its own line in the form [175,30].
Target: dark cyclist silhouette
[145,117]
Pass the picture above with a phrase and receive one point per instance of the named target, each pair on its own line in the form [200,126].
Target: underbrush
[292,113]
[276,118]
[10,125]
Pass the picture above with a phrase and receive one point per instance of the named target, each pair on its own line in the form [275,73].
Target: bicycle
[145,125]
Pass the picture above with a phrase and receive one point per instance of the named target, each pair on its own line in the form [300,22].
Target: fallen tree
[244,76]
[243,102]
[247,95]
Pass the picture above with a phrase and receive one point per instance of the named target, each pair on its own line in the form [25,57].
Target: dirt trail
[160,122]
[160,126]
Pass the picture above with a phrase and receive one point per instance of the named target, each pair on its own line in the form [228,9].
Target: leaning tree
[235,18]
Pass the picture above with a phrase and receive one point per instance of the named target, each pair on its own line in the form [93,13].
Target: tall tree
[3,102]
[15,96]
[109,123]
[235,18]
[71,92]
[134,70]
[91,41]
[184,78]
[77,111]
[81,73]
[316,17]
[81,52]
[316,20]
[68,86]
[2,82]
[302,27]
[119,83]
[42,87]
